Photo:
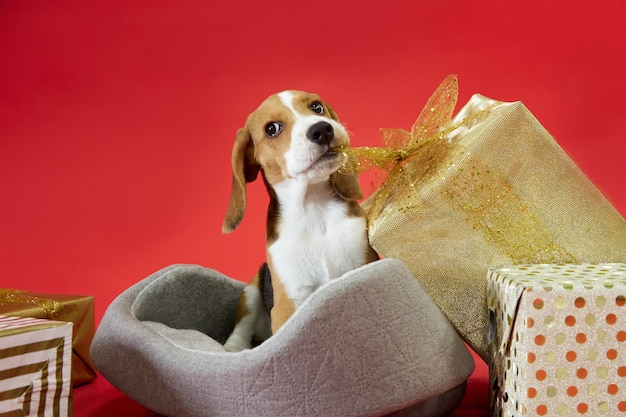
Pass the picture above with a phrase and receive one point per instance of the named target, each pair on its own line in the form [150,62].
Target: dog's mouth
[325,159]
[329,154]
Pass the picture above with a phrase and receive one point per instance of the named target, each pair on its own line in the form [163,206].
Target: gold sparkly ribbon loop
[409,157]
[400,144]
[49,307]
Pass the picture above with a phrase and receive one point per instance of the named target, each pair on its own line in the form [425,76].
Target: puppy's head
[289,137]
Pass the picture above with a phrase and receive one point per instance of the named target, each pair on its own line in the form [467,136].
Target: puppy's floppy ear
[245,170]
[347,186]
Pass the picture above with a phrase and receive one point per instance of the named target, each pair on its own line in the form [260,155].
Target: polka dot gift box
[557,338]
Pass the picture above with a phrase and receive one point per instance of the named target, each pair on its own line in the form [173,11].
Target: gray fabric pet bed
[370,343]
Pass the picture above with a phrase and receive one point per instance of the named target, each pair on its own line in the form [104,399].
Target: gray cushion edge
[436,406]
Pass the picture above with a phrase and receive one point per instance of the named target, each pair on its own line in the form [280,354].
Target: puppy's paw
[236,344]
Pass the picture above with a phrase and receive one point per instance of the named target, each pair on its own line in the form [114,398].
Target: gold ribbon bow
[431,125]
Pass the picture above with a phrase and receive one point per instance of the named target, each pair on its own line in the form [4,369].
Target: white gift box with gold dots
[557,338]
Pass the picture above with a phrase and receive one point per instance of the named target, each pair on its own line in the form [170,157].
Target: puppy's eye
[272,129]
[317,107]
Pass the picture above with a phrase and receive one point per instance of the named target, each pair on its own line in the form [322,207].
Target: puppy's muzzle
[321,133]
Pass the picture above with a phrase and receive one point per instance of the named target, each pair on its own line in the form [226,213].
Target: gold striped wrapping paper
[35,367]
[78,309]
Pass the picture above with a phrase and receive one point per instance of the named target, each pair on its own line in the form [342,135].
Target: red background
[117,118]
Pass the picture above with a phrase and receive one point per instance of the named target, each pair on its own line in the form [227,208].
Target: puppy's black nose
[321,133]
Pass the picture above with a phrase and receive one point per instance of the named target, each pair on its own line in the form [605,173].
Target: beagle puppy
[316,229]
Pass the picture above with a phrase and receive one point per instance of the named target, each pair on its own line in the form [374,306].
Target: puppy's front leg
[283,306]
[252,319]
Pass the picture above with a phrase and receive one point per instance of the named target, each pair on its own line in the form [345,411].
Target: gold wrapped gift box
[76,309]
[488,188]
[35,367]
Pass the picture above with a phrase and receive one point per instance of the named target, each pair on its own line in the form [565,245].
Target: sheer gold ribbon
[432,124]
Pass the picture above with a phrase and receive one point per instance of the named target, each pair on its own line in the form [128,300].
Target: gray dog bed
[370,343]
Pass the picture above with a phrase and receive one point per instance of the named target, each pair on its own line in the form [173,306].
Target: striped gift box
[35,367]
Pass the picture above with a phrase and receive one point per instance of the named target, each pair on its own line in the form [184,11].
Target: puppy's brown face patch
[279,133]
[311,104]
[269,150]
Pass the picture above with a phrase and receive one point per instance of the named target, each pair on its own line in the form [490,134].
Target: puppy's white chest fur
[318,239]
